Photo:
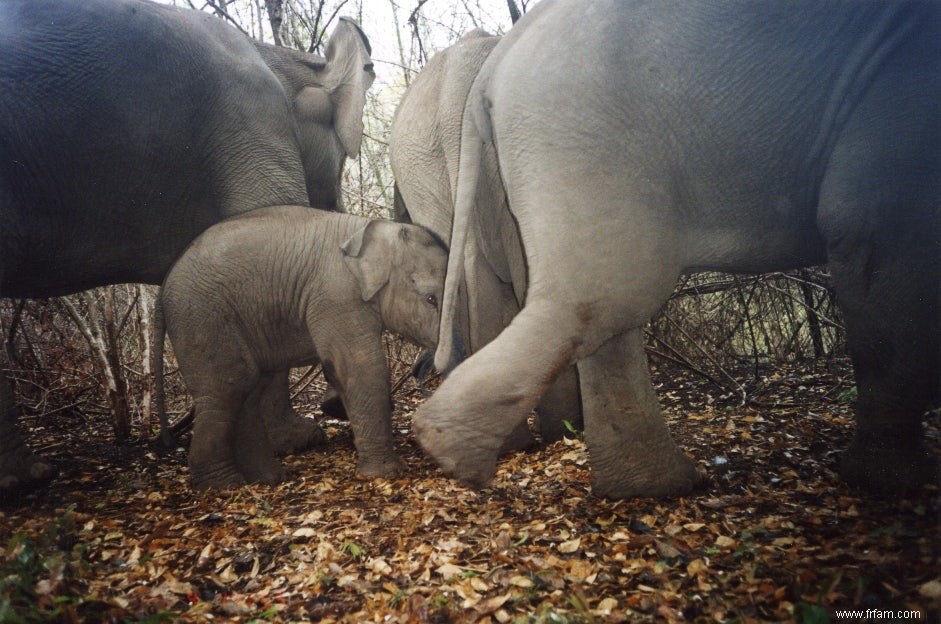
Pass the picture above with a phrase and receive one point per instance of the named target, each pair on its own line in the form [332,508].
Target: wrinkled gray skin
[127,128]
[641,140]
[283,287]
[424,148]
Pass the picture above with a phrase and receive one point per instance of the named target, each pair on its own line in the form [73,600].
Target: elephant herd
[551,186]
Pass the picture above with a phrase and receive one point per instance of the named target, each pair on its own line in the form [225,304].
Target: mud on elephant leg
[632,453]
[288,431]
[18,465]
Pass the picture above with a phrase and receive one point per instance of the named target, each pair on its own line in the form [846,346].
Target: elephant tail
[167,440]
[474,130]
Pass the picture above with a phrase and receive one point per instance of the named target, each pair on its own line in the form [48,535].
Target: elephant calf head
[402,267]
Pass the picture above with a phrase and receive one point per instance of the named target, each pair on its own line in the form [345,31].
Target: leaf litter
[772,536]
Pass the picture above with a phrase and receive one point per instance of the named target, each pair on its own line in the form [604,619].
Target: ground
[772,535]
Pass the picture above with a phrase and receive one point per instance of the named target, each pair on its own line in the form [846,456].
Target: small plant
[355,551]
[848,396]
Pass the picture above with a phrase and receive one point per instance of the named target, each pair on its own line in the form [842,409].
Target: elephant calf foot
[386,466]
[662,478]
[332,407]
[889,471]
[24,469]
[270,473]
[295,434]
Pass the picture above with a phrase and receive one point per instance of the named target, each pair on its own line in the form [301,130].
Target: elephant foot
[386,466]
[263,470]
[472,460]
[659,479]
[221,477]
[889,471]
[23,469]
[295,434]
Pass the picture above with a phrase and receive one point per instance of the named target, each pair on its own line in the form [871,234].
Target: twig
[307,378]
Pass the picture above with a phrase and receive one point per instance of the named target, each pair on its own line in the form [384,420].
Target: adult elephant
[640,140]
[128,127]
[424,149]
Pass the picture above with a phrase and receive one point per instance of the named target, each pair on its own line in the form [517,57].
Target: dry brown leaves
[773,536]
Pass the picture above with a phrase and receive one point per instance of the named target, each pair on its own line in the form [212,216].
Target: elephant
[128,127]
[424,147]
[288,286]
[641,140]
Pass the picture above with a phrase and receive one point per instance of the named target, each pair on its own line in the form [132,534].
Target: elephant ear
[348,75]
[368,255]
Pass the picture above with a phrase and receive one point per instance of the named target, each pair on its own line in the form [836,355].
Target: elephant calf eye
[432,301]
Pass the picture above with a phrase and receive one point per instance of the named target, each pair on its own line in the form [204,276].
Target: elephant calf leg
[254,452]
[632,453]
[212,458]
[288,432]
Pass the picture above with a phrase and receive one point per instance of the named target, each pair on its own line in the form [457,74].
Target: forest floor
[771,536]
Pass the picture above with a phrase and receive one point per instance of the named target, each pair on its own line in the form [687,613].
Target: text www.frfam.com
[877,614]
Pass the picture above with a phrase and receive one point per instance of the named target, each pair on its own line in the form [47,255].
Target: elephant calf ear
[369,258]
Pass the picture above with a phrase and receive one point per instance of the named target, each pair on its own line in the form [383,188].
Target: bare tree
[275,10]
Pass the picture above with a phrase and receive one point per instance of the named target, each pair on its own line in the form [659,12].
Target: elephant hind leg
[465,423]
[254,448]
[288,431]
[632,453]
[212,458]
[880,214]
[560,410]
[890,290]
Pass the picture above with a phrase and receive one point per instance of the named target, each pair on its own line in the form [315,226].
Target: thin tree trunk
[276,17]
[106,358]
[813,323]
[144,315]
[515,14]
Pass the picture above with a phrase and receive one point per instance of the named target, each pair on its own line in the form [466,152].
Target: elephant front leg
[212,459]
[632,453]
[288,431]
[361,376]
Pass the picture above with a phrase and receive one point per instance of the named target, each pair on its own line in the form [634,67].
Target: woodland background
[751,371]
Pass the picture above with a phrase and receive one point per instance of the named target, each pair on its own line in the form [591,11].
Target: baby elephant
[290,286]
